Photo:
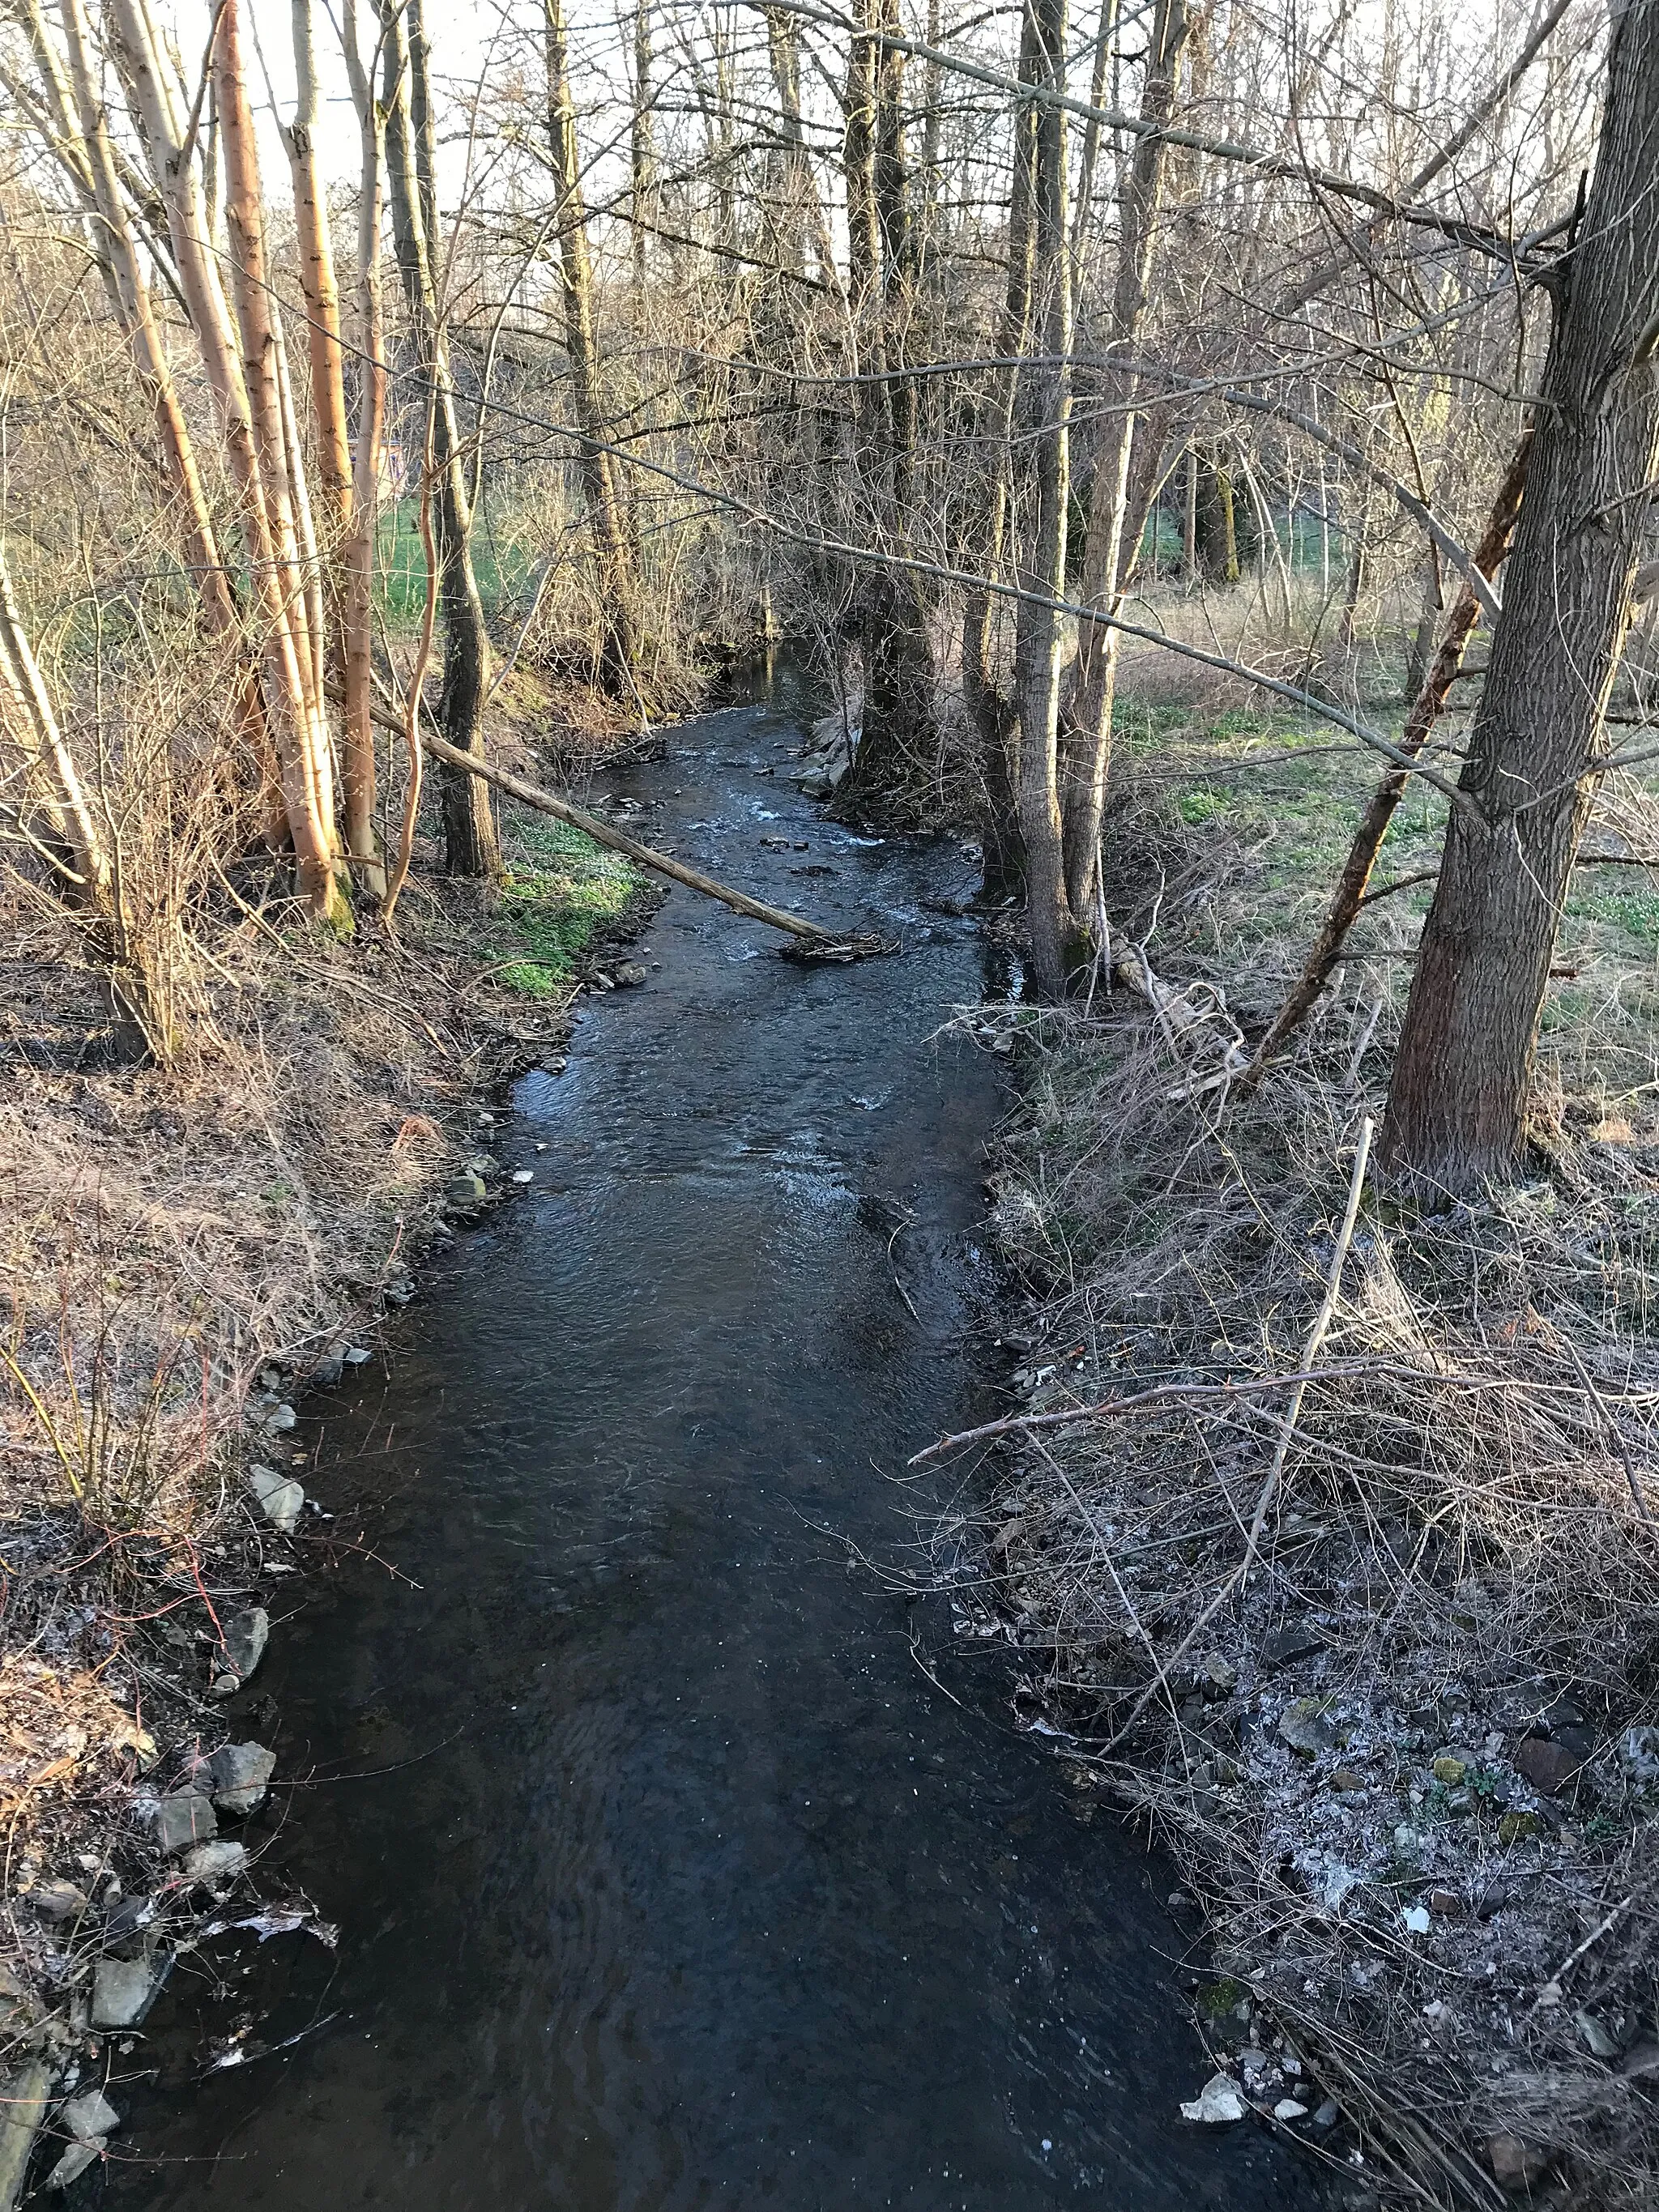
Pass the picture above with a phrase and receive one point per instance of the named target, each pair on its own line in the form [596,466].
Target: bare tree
[1458,1103]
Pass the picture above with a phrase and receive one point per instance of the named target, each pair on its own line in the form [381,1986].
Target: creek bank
[1383,1675]
[196,1250]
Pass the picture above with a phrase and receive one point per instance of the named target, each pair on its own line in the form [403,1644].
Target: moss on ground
[561,893]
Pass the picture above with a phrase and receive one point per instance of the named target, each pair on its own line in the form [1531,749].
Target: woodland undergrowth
[1381,1665]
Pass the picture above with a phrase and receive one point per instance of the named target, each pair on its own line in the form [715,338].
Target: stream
[666,1874]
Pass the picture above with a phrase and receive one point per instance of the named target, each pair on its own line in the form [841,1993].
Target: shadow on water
[666,1877]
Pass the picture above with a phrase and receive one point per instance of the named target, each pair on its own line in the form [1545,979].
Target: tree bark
[471,846]
[358,554]
[990,709]
[1044,463]
[1458,1104]
[1350,893]
[1085,741]
[317,278]
[616,590]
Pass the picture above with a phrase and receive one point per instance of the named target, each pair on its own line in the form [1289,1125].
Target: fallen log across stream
[531,794]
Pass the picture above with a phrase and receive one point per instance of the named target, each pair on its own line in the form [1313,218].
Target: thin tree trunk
[358,555]
[48,808]
[616,590]
[1045,463]
[642,151]
[471,846]
[1350,893]
[317,278]
[989,707]
[1458,1104]
[297,730]
[133,304]
[1086,738]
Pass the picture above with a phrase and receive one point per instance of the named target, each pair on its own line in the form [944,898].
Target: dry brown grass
[1467,1533]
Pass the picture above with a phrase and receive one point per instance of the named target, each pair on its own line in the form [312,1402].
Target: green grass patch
[562,891]
[503,569]
[1635,912]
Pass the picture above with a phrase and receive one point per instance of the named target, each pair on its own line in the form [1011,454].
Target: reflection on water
[667,1877]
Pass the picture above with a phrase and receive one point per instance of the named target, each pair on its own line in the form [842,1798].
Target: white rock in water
[75,2161]
[280,1498]
[1217,2103]
[1287,2108]
[1416,1917]
[239,1772]
[122,1990]
[213,1863]
[89,2116]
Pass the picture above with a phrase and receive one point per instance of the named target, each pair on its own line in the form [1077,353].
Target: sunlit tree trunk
[1459,1102]
[616,587]
[276,596]
[471,846]
[1113,536]
[1044,463]
[317,278]
[358,552]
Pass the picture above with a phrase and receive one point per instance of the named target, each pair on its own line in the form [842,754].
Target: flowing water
[667,1877]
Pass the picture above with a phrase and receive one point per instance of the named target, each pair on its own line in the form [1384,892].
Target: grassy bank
[1381,1663]
[188,1251]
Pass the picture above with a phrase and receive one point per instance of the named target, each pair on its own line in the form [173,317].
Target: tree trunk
[898,724]
[990,709]
[616,588]
[317,279]
[1457,1107]
[1350,893]
[471,846]
[1044,463]
[642,149]
[1215,535]
[1086,744]
[358,555]
[49,811]
[293,716]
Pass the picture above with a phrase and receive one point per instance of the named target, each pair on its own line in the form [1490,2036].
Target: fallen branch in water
[531,794]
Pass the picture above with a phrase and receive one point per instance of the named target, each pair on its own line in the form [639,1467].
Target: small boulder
[1445,1903]
[75,2161]
[1639,1754]
[1308,1728]
[1217,2104]
[467,1194]
[88,2116]
[246,1637]
[280,1498]
[629,975]
[121,1991]
[1595,2037]
[1516,1827]
[56,1899]
[1450,1767]
[184,1820]
[1290,2108]
[239,1773]
[214,1863]
[1548,1766]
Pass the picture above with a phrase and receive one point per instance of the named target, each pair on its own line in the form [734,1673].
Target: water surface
[667,1877]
